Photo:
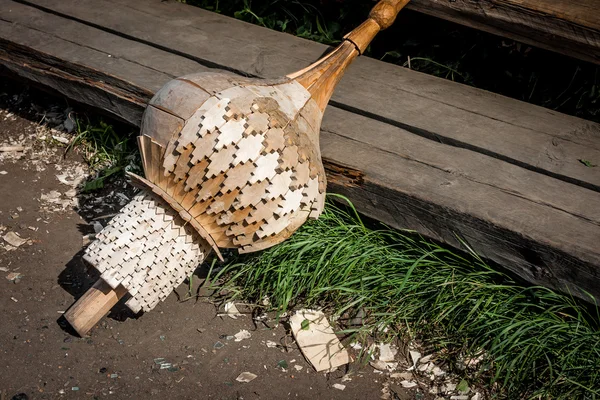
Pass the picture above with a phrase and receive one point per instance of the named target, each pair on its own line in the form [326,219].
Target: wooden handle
[385,12]
[321,77]
[382,16]
[93,305]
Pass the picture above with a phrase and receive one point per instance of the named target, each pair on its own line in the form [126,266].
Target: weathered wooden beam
[532,137]
[535,217]
[570,27]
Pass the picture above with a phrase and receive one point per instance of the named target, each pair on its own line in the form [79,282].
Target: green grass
[107,152]
[537,342]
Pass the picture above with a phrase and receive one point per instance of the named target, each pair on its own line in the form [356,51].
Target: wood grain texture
[92,306]
[569,27]
[458,115]
[506,213]
[454,149]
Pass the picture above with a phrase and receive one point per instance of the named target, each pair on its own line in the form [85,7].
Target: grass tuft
[535,342]
[104,150]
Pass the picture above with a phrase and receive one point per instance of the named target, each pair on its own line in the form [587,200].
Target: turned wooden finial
[385,12]
[382,16]
[321,77]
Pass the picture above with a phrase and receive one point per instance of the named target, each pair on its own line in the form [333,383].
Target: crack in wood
[344,175]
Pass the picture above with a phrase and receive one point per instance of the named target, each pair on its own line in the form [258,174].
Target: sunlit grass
[537,342]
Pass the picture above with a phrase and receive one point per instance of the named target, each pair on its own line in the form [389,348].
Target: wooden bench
[411,150]
[570,27]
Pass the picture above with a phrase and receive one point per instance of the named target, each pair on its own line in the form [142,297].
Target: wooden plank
[543,228]
[532,137]
[541,243]
[105,55]
[570,27]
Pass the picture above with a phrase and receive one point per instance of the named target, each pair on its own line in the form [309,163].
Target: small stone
[477,396]
[459,397]
[246,377]
[271,344]
[298,367]
[339,386]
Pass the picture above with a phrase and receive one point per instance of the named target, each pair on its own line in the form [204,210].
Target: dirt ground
[123,356]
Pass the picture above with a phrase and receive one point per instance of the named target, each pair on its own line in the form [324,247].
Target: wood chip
[387,353]
[14,276]
[246,377]
[317,341]
[231,310]
[8,149]
[241,335]
[14,240]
